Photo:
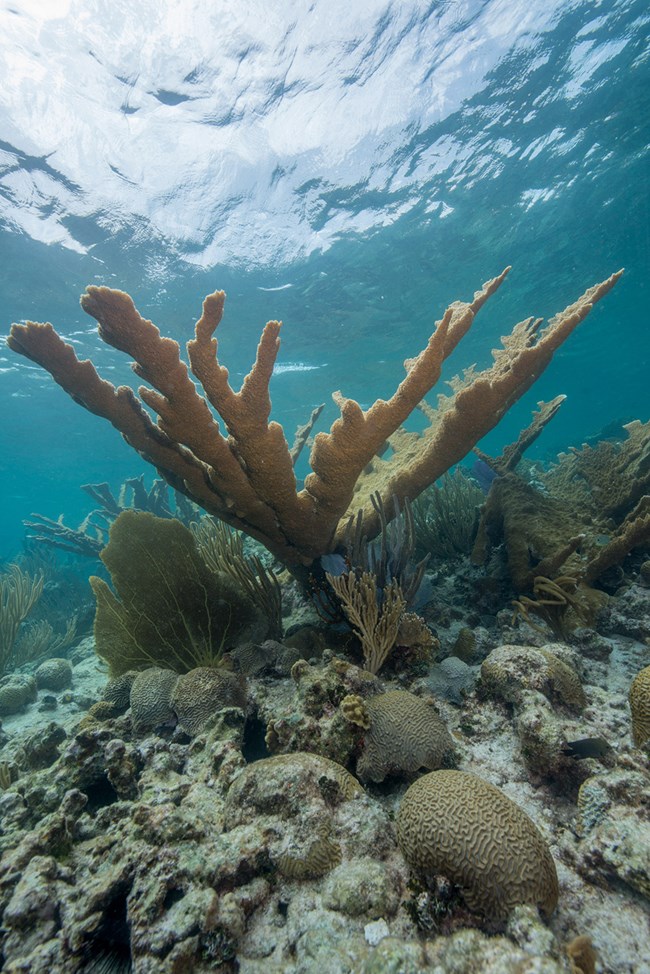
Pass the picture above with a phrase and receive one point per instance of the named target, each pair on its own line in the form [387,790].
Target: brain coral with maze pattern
[405,734]
[455,824]
[640,707]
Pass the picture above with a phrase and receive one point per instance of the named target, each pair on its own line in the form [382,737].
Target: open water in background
[348,168]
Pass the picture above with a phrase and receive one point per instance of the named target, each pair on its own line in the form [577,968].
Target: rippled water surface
[349,168]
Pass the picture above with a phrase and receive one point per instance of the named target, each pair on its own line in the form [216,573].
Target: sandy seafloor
[599,884]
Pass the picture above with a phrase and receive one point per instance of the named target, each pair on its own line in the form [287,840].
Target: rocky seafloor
[245,848]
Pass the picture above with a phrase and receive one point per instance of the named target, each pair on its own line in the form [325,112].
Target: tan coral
[634,532]
[455,824]
[262,787]
[582,955]
[609,478]
[322,855]
[640,707]
[404,734]
[203,692]
[151,694]
[353,708]
[414,634]
[244,474]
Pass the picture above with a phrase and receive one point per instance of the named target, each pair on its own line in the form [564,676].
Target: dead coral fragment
[455,824]
[559,602]
[608,479]
[509,671]
[590,493]
[540,532]
[246,477]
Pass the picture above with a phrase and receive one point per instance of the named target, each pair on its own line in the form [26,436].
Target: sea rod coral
[246,477]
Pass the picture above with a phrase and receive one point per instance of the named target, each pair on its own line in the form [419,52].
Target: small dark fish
[483,474]
[613,431]
[334,564]
[587,747]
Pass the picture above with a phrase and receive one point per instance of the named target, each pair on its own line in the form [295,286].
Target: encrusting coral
[247,478]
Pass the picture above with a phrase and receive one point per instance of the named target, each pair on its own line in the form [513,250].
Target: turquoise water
[348,171]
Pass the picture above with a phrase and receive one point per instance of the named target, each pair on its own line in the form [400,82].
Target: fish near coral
[587,747]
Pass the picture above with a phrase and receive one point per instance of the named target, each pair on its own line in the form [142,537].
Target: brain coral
[640,707]
[151,695]
[405,734]
[456,824]
[16,691]
[203,692]
[118,690]
[54,674]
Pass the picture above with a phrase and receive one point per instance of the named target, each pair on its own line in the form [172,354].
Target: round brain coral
[455,824]
[404,734]
[203,692]
[640,707]
[285,785]
[151,695]
[54,674]
[118,690]
[16,691]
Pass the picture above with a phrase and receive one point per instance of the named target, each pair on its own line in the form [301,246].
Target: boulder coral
[151,696]
[510,671]
[455,824]
[54,674]
[204,692]
[16,691]
[402,733]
